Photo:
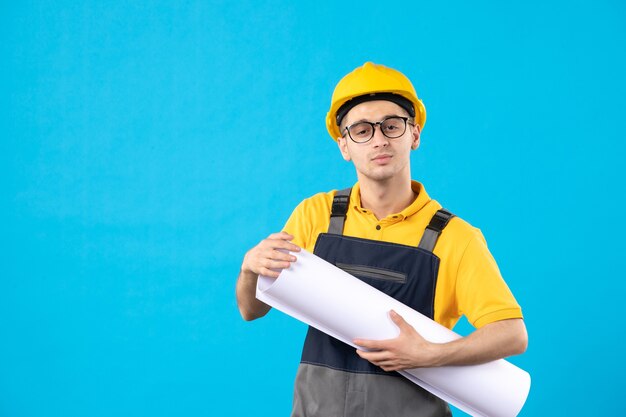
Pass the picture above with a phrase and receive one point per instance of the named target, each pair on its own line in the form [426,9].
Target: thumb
[398,319]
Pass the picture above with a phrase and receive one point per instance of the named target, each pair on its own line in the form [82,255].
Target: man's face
[382,158]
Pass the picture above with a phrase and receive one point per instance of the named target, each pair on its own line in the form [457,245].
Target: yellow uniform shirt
[469,281]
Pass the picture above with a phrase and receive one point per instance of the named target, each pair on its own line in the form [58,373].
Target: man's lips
[382,158]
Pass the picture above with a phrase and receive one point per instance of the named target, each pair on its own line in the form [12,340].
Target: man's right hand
[269,257]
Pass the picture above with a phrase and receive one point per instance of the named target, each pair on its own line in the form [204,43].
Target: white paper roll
[344,307]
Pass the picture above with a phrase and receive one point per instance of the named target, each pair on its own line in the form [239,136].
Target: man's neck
[385,198]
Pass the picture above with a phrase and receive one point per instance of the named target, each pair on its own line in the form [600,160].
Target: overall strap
[339,210]
[434,229]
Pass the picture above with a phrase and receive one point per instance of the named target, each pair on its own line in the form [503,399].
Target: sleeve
[298,226]
[483,296]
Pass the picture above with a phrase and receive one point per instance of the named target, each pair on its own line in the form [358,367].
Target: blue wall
[146,146]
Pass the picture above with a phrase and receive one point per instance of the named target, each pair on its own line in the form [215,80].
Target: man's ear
[416,137]
[342,143]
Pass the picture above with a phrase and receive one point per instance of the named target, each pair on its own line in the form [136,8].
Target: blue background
[147,145]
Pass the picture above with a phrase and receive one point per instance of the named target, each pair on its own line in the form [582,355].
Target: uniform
[444,277]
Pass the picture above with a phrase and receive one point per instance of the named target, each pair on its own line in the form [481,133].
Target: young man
[389,233]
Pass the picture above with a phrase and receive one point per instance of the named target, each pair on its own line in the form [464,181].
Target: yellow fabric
[469,281]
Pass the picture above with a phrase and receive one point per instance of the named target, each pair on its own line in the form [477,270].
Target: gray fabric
[433,230]
[336,222]
[326,392]
[336,225]
[429,239]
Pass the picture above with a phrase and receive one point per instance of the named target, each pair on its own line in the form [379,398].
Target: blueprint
[340,305]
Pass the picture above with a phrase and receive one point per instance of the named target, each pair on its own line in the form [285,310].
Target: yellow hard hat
[373,82]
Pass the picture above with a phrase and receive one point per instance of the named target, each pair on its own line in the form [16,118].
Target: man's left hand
[408,350]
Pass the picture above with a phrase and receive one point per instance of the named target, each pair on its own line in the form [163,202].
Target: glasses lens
[393,127]
[360,132]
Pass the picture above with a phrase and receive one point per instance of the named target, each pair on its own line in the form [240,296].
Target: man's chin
[380,175]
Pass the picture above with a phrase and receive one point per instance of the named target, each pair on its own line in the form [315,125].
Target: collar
[422,199]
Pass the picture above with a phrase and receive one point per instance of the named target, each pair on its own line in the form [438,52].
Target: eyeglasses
[392,127]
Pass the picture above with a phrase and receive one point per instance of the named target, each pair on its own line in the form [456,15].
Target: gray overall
[332,380]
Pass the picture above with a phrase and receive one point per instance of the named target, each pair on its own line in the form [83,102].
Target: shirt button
[377,227]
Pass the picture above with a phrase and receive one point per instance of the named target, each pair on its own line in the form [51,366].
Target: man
[389,233]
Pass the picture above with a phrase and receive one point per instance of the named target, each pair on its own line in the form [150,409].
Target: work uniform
[443,275]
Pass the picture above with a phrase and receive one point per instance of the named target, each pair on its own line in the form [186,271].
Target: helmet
[370,80]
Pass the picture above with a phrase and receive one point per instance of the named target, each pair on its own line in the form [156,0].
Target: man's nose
[379,139]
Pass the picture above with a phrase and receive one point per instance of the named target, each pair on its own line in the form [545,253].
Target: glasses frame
[379,124]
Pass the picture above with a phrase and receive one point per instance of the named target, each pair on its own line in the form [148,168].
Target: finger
[272,264]
[269,273]
[283,244]
[374,357]
[277,255]
[286,235]
[387,364]
[278,244]
[369,344]
[280,235]
[392,364]
[372,344]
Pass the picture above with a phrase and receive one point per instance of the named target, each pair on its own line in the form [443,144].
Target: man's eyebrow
[365,120]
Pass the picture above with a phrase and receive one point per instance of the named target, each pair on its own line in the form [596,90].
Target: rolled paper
[323,296]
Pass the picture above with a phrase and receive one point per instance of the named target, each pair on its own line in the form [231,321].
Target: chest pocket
[406,273]
[372,273]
